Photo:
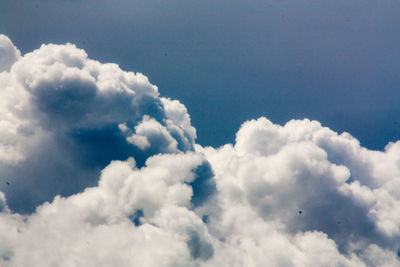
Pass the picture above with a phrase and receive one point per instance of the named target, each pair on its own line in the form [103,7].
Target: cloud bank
[99,170]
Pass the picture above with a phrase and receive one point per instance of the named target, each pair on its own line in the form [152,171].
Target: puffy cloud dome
[64,117]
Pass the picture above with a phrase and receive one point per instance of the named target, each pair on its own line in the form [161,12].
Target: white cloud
[292,195]
[60,118]
[150,133]
[95,228]
[286,175]
[9,53]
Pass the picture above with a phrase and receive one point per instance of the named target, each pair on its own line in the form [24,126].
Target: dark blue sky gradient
[228,61]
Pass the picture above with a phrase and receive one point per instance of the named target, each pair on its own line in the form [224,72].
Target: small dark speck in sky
[8,183]
[299,211]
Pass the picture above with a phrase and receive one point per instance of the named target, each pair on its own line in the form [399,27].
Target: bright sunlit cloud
[98,169]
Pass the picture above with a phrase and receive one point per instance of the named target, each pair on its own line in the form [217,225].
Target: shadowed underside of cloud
[98,170]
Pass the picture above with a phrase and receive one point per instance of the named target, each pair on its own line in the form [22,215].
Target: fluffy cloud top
[126,185]
[9,53]
[305,177]
[61,118]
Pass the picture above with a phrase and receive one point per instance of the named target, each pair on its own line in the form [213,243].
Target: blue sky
[336,61]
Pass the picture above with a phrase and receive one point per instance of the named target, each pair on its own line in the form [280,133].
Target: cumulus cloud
[99,170]
[300,177]
[9,53]
[60,118]
[100,220]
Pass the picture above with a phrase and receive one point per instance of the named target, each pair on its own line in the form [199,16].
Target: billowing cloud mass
[98,170]
[64,117]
